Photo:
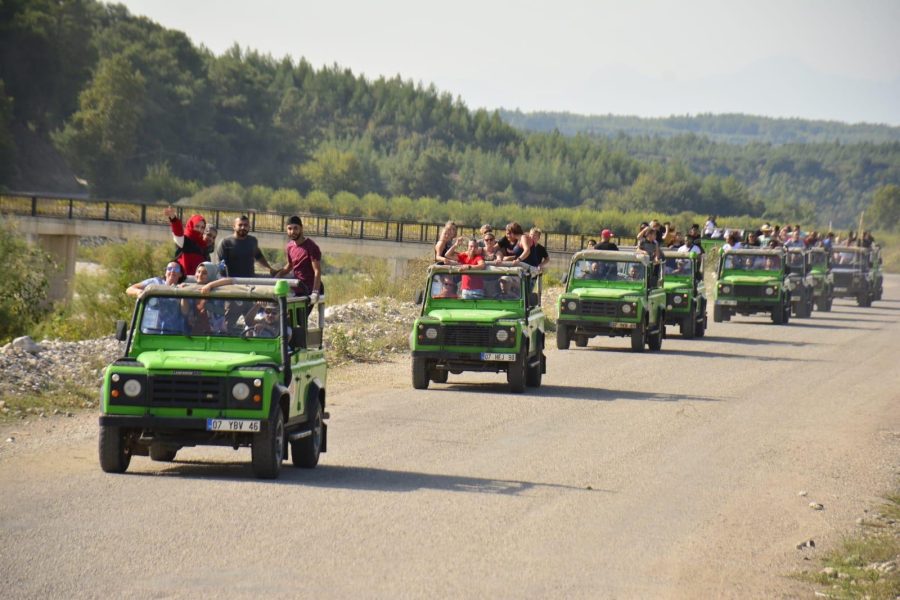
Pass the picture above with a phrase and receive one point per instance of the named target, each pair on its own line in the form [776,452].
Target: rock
[843,575]
[10,440]
[802,493]
[2,403]
[26,344]
[806,544]
[816,506]
[829,571]
[860,521]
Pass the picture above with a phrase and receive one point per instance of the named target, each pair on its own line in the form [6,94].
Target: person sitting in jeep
[446,287]
[262,321]
[509,290]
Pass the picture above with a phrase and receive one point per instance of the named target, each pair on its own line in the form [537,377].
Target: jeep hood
[677,284]
[751,279]
[192,360]
[469,315]
[605,293]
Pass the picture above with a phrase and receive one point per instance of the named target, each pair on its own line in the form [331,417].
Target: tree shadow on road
[575,392]
[669,351]
[750,341]
[361,478]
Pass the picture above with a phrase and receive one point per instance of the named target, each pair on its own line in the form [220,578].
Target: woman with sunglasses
[174,275]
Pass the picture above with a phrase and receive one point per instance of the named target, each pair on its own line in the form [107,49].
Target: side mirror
[121,330]
[534,299]
[420,297]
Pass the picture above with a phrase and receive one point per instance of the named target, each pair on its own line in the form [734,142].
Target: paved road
[657,475]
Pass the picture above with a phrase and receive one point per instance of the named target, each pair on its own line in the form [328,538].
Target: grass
[63,398]
[852,570]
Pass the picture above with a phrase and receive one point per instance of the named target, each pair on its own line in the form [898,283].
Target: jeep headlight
[626,309]
[677,300]
[132,388]
[240,391]
[502,335]
[726,289]
[431,333]
[571,305]
[770,291]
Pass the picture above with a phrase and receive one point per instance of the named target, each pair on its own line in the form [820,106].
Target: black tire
[821,304]
[162,453]
[562,337]
[115,455]
[700,330]
[581,341]
[778,314]
[305,451]
[534,374]
[654,340]
[267,449]
[439,376]
[638,339]
[717,314]
[688,327]
[515,375]
[419,373]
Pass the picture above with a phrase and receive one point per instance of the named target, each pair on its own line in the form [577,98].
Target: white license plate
[232,425]
[618,325]
[498,356]
[727,302]
[838,289]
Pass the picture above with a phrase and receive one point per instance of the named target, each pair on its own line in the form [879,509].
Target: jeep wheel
[638,339]
[115,455]
[581,341]
[419,373]
[267,449]
[439,376]
[778,314]
[162,453]
[700,330]
[305,451]
[717,314]
[562,337]
[864,300]
[654,340]
[516,373]
[534,373]
[688,325]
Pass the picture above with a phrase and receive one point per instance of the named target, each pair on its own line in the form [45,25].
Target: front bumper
[610,327]
[467,361]
[163,424]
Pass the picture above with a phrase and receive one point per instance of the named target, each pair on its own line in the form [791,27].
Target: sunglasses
[490,239]
[173,269]
[270,311]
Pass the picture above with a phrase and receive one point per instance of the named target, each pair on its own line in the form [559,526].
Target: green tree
[884,212]
[100,138]
[23,288]
[332,171]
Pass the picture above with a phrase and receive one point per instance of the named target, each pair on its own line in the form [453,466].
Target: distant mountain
[727,128]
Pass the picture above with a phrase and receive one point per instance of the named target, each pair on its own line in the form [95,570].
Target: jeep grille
[186,391]
[599,308]
[843,278]
[467,335]
[754,291]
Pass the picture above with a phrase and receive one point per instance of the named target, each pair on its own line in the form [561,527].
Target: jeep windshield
[207,316]
[751,262]
[476,285]
[795,261]
[679,267]
[589,270]
[849,258]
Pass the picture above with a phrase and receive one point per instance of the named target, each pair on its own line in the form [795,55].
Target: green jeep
[614,293]
[242,365]
[685,292]
[823,278]
[853,276]
[480,319]
[877,273]
[753,281]
[802,282]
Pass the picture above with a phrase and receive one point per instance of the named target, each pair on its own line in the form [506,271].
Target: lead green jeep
[685,292]
[753,281]
[823,278]
[614,293]
[480,319]
[240,366]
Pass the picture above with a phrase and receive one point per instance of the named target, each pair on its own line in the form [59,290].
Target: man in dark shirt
[304,259]
[241,250]
[605,243]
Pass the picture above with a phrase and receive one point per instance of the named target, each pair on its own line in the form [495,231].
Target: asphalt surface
[671,474]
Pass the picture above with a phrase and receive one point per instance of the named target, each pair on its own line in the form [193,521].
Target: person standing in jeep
[241,250]
[304,259]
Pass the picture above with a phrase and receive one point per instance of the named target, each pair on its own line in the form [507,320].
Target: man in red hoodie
[190,248]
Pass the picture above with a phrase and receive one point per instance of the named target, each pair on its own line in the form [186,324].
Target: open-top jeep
[877,272]
[801,282]
[753,281]
[614,293]
[240,366]
[480,319]
[853,277]
[822,277]
[685,292]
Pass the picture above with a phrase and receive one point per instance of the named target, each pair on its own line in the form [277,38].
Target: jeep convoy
[481,319]
[614,293]
[854,275]
[685,292]
[242,365]
[753,281]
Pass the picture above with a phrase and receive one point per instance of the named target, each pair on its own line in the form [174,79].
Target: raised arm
[176,225]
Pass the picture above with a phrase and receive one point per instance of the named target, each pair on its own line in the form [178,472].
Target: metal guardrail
[54,206]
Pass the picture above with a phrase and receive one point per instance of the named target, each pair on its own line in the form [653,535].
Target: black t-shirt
[239,255]
[507,246]
[536,256]
[605,246]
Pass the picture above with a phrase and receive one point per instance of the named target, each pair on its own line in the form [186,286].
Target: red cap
[606,233]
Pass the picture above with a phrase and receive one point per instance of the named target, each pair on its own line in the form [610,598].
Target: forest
[140,111]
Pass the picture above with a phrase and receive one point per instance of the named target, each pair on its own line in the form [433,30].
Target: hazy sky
[820,59]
